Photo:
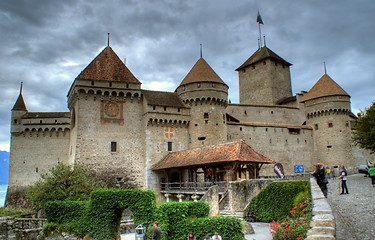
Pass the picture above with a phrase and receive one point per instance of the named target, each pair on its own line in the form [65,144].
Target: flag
[259,18]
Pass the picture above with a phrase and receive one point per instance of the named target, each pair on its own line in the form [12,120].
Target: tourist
[156,235]
[333,172]
[343,178]
[320,176]
[328,172]
[191,236]
[371,172]
[216,236]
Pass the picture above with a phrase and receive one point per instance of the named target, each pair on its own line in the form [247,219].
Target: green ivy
[100,216]
[276,199]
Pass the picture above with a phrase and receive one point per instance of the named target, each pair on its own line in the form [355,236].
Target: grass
[7,212]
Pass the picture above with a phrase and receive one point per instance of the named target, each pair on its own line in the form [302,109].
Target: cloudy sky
[46,44]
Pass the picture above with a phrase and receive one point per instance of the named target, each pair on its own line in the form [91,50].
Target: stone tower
[327,110]
[108,131]
[206,93]
[264,78]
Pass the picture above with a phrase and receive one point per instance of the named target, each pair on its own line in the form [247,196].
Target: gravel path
[354,212]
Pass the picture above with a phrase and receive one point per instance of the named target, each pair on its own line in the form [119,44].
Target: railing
[192,186]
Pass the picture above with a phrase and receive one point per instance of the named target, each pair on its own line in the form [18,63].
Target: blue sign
[298,169]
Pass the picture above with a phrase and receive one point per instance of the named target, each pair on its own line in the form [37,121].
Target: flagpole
[260,35]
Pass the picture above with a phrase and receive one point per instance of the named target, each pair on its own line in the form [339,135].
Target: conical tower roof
[107,66]
[19,105]
[201,72]
[262,54]
[324,87]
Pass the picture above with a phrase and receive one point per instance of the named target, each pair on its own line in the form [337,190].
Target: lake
[3,193]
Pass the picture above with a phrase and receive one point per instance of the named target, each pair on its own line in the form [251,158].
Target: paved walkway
[261,232]
[354,212]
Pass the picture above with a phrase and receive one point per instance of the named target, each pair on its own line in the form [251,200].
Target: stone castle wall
[289,146]
[266,114]
[98,134]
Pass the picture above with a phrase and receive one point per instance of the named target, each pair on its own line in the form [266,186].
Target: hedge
[177,219]
[275,200]
[64,211]
[101,216]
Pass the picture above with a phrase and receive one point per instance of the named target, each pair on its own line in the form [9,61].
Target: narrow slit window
[113,147]
[169,146]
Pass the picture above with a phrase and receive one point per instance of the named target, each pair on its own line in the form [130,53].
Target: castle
[121,131]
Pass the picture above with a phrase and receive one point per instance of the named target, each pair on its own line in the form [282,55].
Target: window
[153,107]
[15,121]
[165,108]
[266,129]
[316,127]
[205,115]
[245,112]
[201,138]
[294,131]
[241,129]
[127,85]
[113,147]
[36,170]
[92,83]
[41,121]
[110,84]
[169,146]
[330,125]
[178,109]
[253,66]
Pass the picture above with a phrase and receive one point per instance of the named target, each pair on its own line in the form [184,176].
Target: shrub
[296,225]
[275,200]
[61,183]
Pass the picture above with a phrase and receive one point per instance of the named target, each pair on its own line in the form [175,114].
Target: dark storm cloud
[46,44]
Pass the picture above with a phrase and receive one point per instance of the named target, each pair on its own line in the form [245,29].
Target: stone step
[225,213]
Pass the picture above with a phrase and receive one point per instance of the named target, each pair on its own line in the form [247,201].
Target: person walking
[371,172]
[156,235]
[191,236]
[343,178]
[328,172]
[320,176]
[216,236]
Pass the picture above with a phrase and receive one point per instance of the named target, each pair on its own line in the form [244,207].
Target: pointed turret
[207,95]
[20,105]
[107,66]
[201,72]
[324,87]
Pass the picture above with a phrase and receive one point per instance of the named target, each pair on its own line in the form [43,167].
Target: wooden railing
[192,186]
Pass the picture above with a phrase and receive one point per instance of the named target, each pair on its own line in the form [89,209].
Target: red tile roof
[262,54]
[324,87]
[201,72]
[107,66]
[231,152]
[20,104]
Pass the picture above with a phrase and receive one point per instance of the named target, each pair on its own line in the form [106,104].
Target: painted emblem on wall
[112,112]
[169,132]
[111,109]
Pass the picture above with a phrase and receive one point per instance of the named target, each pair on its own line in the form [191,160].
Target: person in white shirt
[216,236]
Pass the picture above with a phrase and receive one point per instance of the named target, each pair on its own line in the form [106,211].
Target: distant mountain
[4,167]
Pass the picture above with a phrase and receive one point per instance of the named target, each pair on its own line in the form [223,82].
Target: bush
[7,212]
[276,199]
[61,183]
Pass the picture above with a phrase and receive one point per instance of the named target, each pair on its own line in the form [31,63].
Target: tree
[364,134]
[62,183]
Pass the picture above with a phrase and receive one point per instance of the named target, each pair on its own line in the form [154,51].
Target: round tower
[206,93]
[327,109]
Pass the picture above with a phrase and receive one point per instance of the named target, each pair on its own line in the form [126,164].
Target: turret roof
[324,87]
[262,54]
[107,66]
[201,72]
[20,104]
